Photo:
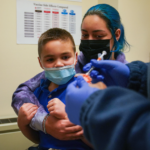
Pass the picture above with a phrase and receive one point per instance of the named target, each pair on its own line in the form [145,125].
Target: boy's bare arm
[57,108]
[25,114]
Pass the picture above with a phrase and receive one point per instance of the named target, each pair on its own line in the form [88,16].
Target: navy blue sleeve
[138,77]
[116,119]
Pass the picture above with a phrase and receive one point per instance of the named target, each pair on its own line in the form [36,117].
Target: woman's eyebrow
[98,31]
[93,30]
[83,30]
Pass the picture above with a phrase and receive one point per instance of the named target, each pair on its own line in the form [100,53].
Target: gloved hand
[77,92]
[114,72]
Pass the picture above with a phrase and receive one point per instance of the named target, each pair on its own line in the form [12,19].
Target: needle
[99,58]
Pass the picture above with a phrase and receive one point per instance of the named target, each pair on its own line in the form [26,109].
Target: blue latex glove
[114,72]
[77,92]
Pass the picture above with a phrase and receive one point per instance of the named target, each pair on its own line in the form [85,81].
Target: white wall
[135,16]
[18,63]
[113,3]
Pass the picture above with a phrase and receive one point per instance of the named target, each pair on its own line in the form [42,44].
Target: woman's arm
[29,133]
[24,94]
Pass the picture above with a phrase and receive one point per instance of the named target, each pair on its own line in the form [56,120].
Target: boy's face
[57,53]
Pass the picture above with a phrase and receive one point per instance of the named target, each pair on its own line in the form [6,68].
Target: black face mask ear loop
[111,51]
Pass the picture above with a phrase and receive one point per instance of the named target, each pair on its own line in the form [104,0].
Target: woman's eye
[84,35]
[99,36]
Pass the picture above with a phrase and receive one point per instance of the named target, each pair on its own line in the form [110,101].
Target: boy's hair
[54,34]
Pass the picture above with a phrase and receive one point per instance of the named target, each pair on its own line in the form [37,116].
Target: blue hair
[113,21]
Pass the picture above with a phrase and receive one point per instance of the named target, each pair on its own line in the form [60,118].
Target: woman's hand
[26,113]
[63,129]
[57,108]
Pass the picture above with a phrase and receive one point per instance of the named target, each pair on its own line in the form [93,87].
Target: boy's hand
[57,108]
[26,113]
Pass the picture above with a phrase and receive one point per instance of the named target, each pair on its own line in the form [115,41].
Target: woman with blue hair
[101,30]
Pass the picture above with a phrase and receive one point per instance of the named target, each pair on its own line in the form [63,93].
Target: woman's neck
[112,56]
[52,86]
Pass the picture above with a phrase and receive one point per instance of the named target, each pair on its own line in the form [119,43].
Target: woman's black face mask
[91,48]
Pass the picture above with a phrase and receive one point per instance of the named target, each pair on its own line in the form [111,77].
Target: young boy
[57,57]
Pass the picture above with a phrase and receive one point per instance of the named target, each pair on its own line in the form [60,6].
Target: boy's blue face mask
[60,75]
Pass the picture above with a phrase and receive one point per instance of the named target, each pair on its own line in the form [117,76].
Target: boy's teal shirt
[44,96]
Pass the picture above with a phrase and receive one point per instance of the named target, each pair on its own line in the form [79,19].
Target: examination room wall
[135,16]
[136,19]
[19,63]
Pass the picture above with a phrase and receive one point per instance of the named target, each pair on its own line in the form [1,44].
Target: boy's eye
[65,57]
[50,60]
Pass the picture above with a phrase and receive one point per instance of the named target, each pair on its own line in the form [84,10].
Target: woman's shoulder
[120,56]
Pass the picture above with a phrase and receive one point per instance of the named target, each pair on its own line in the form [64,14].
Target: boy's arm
[57,108]
[27,110]
[24,94]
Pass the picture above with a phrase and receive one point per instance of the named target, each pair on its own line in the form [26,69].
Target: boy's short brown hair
[54,34]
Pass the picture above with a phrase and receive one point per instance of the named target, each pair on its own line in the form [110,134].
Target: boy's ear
[76,55]
[40,62]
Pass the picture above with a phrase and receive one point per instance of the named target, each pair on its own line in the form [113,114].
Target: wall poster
[34,18]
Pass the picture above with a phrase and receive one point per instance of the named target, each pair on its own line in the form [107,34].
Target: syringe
[86,76]
[99,58]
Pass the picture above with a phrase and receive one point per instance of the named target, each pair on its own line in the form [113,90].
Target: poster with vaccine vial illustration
[34,18]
